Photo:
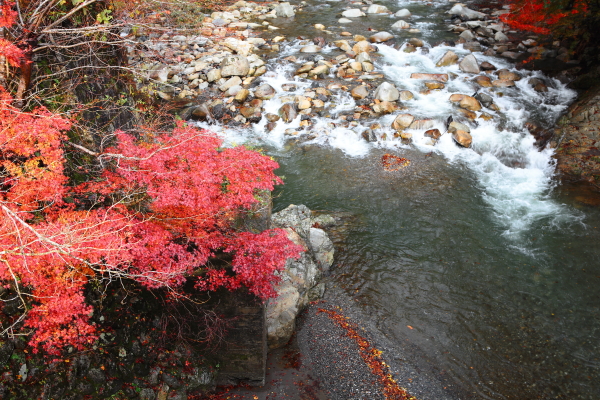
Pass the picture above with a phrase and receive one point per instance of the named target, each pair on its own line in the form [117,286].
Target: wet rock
[369,135]
[345,21]
[319,70]
[384,107]
[538,85]
[472,46]
[409,48]
[404,13]
[353,13]
[467,35]
[343,45]
[512,55]
[235,65]
[363,46]
[310,49]
[406,95]
[483,81]
[264,92]
[466,13]
[505,74]
[433,133]
[416,42]
[288,112]
[402,122]
[469,65]
[380,37]
[362,57]
[231,82]
[201,112]
[485,99]
[386,92]
[449,58]
[500,37]
[430,77]
[399,25]
[457,126]
[422,124]
[322,248]
[434,85]
[303,102]
[486,66]
[377,9]
[284,10]
[272,117]
[319,27]
[242,95]
[270,126]
[463,138]
[320,41]
[503,83]
[359,92]
[305,68]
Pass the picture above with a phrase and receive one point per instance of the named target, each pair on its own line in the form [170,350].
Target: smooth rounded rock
[380,37]
[386,92]
[377,9]
[264,92]
[311,48]
[404,13]
[402,121]
[353,13]
[399,25]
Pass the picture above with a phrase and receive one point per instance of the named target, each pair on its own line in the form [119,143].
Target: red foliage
[179,197]
[542,16]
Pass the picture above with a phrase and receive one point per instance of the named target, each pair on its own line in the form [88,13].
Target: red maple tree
[163,206]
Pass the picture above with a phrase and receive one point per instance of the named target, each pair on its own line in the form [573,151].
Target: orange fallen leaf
[410,327]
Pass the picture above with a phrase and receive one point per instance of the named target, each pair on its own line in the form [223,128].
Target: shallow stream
[472,254]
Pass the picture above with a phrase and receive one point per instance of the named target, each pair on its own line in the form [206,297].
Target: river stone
[234,90]
[242,95]
[355,65]
[381,37]
[486,66]
[239,46]
[264,92]
[466,13]
[213,75]
[302,102]
[430,77]
[470,103]
[386,92]
[235,65]
[503,83]
[506,74]
[284,10]
[404,13]
[406,95]
[359,92]
[399,25]
[462,138]
[312,48]
[345,21]
[538,85]
[305,68]
[485,99]
[363,57]
[231,82]
[353,13]
[322,248]
[435,134]
[384,107]
[416,42]
[402,122]
[367,66]
[343,45]
[288,112]
[483,81]
[319,70]
[469,65]
[422,124]
[467,35]
[449,58]
[377,9]
[500,37]
[363,46]
[434,85]
[472,46]
[457,126]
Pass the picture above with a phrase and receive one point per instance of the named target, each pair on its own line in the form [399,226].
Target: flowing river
[475,255]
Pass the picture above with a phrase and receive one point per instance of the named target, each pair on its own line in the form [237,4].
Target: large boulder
[300,279]
[386,92]
[235,65]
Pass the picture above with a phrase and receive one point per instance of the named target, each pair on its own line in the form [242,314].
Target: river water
[475,255]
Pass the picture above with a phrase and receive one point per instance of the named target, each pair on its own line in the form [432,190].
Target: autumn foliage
[560,17]
[157,208]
